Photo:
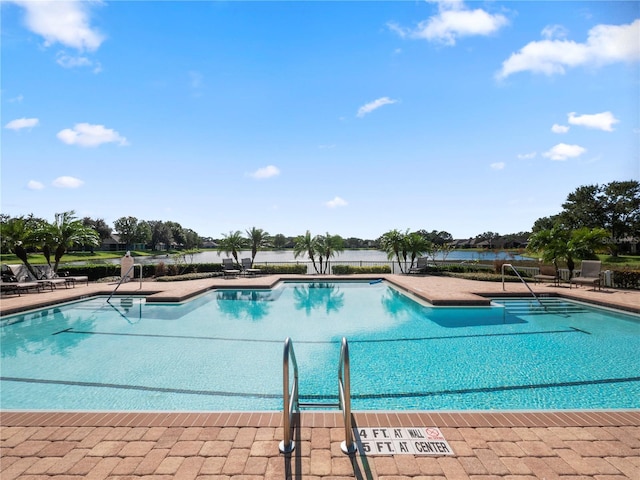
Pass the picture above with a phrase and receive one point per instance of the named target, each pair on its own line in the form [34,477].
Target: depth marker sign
[401,440]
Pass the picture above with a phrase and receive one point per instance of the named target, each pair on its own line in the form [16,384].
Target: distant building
[114,244]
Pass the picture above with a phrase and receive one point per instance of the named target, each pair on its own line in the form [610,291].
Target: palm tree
[65,232]
[232,244]
[305,244]
[416,246]
[559,243]
[326,247]
[257,238]
[18,234]
[393,244]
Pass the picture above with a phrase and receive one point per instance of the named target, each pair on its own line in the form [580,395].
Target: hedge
[347,269]
[626,278]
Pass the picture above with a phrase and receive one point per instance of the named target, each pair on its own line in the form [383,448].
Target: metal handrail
[344,386]
[125,276]
[290,399]
[522,280]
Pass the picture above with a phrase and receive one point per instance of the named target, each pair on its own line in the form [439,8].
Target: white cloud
[559,128]
[35,185]
[605,44]
[266,172]
[67,182]
[497,165]
[336,202]
[453,21]
[371,106]
[562,152]
[62,21]
[600,121]
[69,61]
[20,123]
[527,156]
[17,99]
[87,135]
[554,31]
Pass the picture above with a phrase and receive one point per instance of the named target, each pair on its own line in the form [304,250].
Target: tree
[232,244]
[177,232]
[392,242]
[99,225]
[326,246]
[19,235]
[257,238]
[545,223]
[621,205]
[584,208]
[191,239]
[614,207]
[65,232]
[436,237]
[160,235]
[305,244]
[560,243]
[490,237]
[279,241]
[126,228]
[416,246]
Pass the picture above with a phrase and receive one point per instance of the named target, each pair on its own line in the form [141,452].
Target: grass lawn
[38,258]
[622,261]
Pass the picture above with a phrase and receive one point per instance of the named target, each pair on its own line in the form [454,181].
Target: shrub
[187,276]
[626,278]
[283,269]
[348,269]
[161,269]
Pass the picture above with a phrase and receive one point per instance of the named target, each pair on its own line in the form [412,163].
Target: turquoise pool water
[223,351]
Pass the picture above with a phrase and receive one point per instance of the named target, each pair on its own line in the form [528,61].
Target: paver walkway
[244,446]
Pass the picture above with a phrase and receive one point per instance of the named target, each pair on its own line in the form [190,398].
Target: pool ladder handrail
[126,275]
[290,398]
[292,404]
[523,281]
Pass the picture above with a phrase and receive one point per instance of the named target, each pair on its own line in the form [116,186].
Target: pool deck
[567,445]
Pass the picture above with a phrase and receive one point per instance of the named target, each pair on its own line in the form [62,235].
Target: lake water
[283,256]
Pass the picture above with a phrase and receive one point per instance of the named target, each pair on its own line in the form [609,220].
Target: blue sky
[351,118]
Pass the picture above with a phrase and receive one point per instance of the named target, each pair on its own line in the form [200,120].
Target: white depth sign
[401,440]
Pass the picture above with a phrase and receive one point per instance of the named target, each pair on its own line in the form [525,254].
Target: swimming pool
[223,351]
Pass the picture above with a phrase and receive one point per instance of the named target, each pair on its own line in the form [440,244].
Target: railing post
[344,385]
[287,444]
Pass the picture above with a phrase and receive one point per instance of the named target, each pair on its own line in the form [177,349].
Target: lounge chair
[11,284]
[47,273]
[228,268]
[421,266]
[247,267]
[589,274]
[24,275]
[548,273]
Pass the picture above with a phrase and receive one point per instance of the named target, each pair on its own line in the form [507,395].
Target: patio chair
[47,273]
[548,273]
[228,268]
[24,275]
[589,274]
[421,266]
[247,267]
[11,284]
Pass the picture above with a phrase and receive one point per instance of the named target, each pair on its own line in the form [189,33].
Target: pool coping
[311,418]
[438,291]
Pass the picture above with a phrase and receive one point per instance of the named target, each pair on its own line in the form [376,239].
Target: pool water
[223,351]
